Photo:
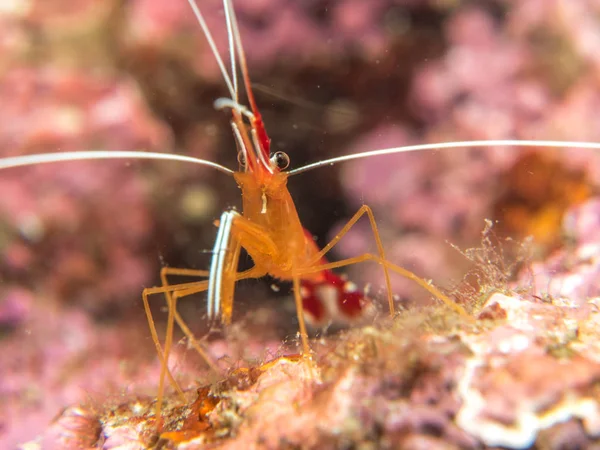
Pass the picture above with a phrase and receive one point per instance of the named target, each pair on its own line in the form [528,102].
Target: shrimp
[269,229]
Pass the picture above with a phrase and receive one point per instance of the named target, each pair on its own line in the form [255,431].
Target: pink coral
[501,76]
[70,111]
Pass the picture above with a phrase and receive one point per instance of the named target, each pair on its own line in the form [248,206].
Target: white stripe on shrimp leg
[215,278]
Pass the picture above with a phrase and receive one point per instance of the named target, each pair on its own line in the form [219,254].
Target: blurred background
[79,241]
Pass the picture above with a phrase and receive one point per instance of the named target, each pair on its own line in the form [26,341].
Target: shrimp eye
[241,157]
[280,160]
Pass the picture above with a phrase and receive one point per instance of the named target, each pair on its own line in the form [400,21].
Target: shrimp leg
[394,268]
[173,293]
[300,313]
[380,258]
[364,209]
[235,232]
[163,355]
[171,298]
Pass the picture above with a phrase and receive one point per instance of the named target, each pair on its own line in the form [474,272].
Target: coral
[539,190]
[516,359]
[52,109]
[570,275]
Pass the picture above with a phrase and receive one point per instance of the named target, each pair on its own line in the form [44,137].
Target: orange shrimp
[269,229]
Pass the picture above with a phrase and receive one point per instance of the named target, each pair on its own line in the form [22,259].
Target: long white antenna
[237,40]
[42,158]
[445,146]
[213,47]
[232,55]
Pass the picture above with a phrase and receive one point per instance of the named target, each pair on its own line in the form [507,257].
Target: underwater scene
[464,315]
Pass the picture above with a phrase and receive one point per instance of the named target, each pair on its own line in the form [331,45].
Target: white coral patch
[528,416]
[523,432]
[516,343]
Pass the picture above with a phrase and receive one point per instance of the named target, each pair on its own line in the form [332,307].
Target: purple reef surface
[80,241]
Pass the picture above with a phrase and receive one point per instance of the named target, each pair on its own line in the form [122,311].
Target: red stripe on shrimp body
[331,298]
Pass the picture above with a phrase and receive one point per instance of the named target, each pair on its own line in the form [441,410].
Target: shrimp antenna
[211,42]
[28,160]
[232,57]
[445,146]
[236,39]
